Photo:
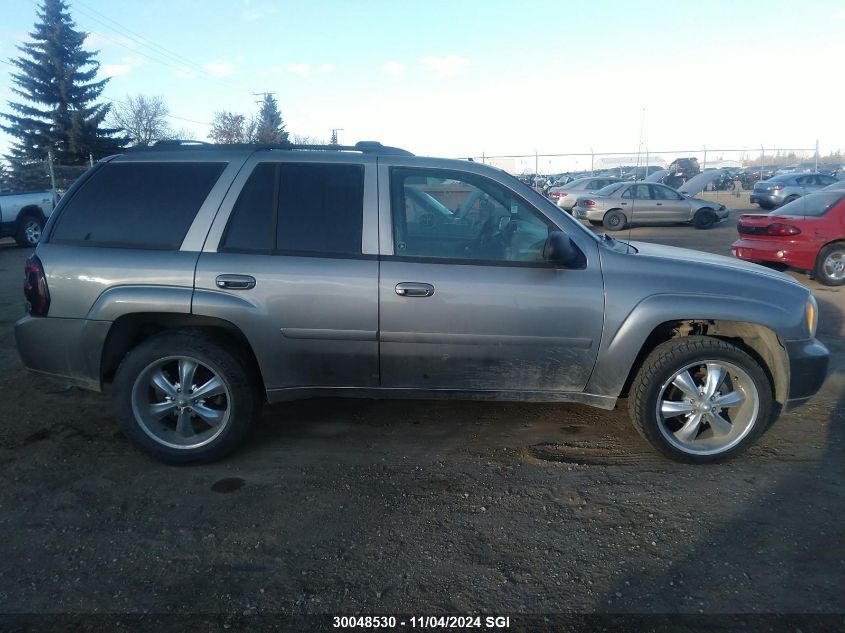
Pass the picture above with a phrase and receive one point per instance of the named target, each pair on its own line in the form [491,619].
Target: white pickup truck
[23,215]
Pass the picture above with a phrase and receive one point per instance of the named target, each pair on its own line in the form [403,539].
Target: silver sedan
[618,205]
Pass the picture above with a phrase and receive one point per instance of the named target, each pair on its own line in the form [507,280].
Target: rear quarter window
[137,205]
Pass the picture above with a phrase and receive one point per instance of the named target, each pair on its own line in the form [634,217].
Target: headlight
[812,312]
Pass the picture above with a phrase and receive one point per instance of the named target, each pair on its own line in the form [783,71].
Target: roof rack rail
[364,147]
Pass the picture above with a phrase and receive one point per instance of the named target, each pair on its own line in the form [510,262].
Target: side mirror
[561,250]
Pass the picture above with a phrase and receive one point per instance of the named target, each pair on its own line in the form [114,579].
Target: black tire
[29,231]
[615,220]
[790,199]
[827,275]
[669,358]
[766,206]
[704,219]
[243,399]
[596,222]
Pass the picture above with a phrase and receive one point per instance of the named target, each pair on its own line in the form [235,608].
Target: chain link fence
[757,163]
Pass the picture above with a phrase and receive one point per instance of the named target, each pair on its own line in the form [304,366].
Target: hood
[657,176]
[697,183]
[689,255]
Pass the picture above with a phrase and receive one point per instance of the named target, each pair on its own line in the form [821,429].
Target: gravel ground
[352,506]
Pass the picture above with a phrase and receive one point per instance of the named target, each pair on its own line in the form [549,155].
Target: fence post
[536,164]
[52,175]
[762,158]
[817,155]
[704,166]
[592,160]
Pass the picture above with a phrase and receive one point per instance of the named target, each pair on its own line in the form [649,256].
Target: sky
[491,77]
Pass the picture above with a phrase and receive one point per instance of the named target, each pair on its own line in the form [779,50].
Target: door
[291,262]
[669,205]
[638,204]
[467,301]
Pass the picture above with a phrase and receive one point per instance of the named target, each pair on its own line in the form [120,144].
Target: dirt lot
[343,506]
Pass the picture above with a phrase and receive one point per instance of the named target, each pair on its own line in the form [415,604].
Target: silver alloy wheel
[834,266]
[176,416]
[707,407]
[32,231]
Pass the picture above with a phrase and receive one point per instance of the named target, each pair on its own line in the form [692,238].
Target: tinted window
[137,205]
[251,223]
[321,208]
[826,180]
[455,216]
[815,204]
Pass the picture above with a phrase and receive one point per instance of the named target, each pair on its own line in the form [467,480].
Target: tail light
[35,287]
[782,229]
[778,186]
[588,203]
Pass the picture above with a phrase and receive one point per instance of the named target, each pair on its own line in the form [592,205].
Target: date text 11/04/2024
[421,622]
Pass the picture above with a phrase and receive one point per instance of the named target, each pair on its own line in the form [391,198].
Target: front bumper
[67,349]
[808,362]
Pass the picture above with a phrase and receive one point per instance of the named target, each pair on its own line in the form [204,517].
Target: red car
[808,234]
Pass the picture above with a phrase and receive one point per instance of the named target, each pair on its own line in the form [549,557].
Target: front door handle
[659,204]
[235,282]
[413,289]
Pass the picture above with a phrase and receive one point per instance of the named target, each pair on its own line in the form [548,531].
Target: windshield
[606,191]
[813,205]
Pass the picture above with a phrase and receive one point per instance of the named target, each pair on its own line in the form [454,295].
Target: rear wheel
[704,219]
[184,397]
[700,399]
[830,264]
[791,199]
[29,231]
[615,220]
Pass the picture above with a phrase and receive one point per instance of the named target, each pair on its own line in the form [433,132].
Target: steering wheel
[493,243]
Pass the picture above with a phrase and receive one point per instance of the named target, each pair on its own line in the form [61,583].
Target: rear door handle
[413,289]
[235,282]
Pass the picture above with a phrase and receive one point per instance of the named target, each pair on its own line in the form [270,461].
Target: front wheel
[184,397]
[700,399]
[596,222]
[704,219]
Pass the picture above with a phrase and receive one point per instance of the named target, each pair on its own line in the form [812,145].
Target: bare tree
[230,127]
[304,139]
[143,118]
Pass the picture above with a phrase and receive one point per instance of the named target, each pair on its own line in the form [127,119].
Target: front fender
[621,346]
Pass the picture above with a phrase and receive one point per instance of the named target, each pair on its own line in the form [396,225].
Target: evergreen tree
[270,128]
[55,78]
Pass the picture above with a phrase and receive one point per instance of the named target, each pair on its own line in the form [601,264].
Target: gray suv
[202,281]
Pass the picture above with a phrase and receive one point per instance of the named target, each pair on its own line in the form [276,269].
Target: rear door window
[299,209]
[137,205]
[321,209]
